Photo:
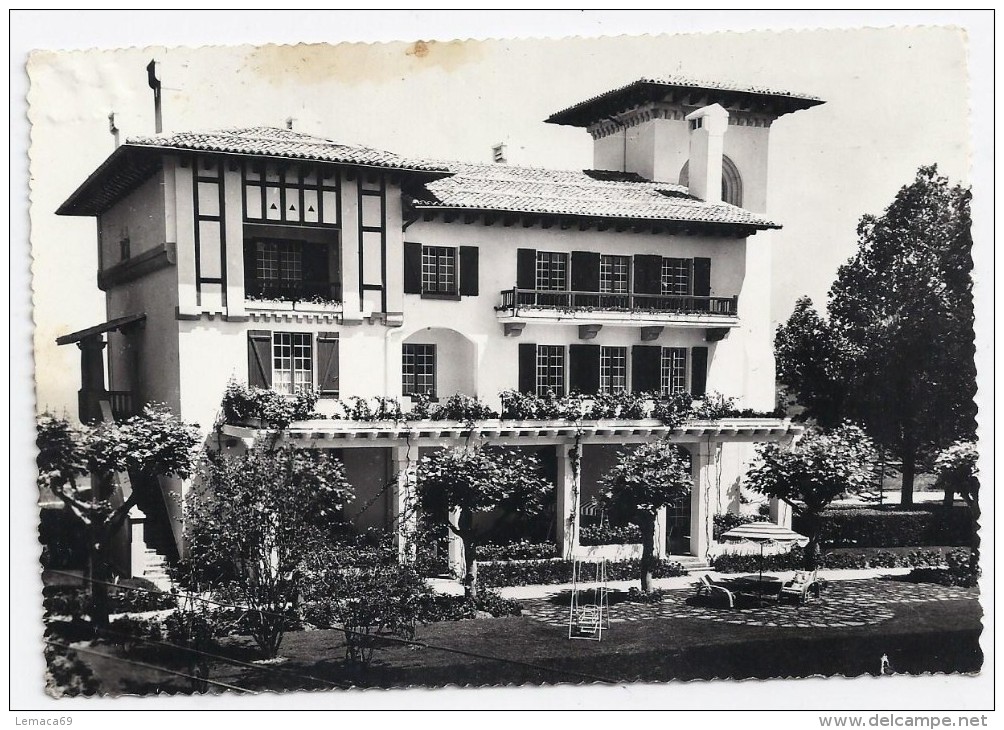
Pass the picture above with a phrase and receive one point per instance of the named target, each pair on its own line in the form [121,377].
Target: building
[283,260]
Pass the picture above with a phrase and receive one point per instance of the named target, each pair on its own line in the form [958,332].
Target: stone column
[780,512]
[568,496]
[92,379]
[137,542]
[703,458]
[403,502]
[661,550]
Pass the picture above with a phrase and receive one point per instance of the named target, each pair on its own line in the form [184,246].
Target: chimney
[153,79]
[113,128]
[707,132]
[499,153]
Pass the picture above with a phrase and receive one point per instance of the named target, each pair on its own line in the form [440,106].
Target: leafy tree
[476,482]
[814,361]
[645,479]
[820,467]
[152,444]
[252,522]
[897,351]
[957,473]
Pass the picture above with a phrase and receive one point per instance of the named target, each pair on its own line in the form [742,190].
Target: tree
[957,473]
[473,482]
[899,335]
[252,522]
[146,446]
[815,362]
[645,479]
[820,467]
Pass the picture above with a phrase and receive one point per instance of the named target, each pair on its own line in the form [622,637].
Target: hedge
[521,550]
[549,572]
[751,563]
[894,527]
[609,535]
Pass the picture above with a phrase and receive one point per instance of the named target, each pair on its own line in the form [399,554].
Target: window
[550,369]
[124,249]
[418,370]
[613,369]
[551,271]
[675,277]
[673,371]
[302,195]
[292,362]
[278,264]
[614,274]
[439,270]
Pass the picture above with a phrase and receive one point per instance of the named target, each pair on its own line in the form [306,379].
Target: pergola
[701,438]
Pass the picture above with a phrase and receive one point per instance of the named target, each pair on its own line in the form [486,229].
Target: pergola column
[403,502]
[568,489]
[703,466]
[780,512]
[455,547]
[92,378]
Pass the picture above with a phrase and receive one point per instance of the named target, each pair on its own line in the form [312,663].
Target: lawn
[921,636]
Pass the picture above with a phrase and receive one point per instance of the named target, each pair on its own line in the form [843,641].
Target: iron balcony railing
[617,302]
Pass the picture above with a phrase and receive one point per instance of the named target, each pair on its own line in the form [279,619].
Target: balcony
[623,309]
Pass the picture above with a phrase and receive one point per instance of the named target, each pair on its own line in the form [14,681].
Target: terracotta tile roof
[774,101]
[273,142]
[495,187]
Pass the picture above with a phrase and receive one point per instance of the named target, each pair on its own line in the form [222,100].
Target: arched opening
[732,182]
[438,362]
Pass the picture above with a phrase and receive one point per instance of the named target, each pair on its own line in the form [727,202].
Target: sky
[896,99]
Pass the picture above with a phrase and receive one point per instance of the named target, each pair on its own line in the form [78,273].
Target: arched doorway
[438,362]
[732,182]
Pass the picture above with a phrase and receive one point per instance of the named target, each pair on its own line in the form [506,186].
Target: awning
[99,329]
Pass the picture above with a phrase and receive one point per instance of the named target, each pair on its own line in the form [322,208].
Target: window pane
[550,369]
[673,373]
[439,270]
[675,277]
[418,370]
[614,274]
[552,269]
[292,362]
[613,369]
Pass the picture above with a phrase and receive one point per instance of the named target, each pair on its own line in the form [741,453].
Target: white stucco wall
[140,216]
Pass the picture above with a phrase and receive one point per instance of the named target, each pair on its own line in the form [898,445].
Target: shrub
[609,534]
[549,572]
[438,607]
[520,550]
[123,598]
[726,521]
[865,527]
[636,595]
[793,560]
[242,403]
[66,675]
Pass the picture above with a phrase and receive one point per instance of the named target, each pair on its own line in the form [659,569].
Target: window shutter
[260,359]
[526,268]
[702,281]
[327,364]
[412,268]
[468,271]
[584,369]
[698,371]
[646,369]
[585,271]
[647,274]
[527,368]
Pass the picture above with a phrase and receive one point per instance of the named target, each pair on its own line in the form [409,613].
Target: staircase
[690,562]
[155,569]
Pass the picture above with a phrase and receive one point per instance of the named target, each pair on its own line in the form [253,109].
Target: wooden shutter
[468,271]
[327,364]
[647,274]
[260,359]
[412,268]
[698,371]
[584,369]
[526,268]
[646,369]
[702,282]
[527,368]
[585,271]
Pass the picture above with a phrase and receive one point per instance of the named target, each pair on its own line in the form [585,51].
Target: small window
[439,270]
[551,271]
[613,369]
[676,277]
[614,274]
[418,370]
[550,369]
[673,373]
[124,249]
[292,362]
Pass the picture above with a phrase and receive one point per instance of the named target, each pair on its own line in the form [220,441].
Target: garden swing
[589,613]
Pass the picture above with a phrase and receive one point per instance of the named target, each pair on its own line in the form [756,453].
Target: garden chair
[800,586]
[707,586]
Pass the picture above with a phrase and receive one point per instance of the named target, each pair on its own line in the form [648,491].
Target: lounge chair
[800,586]
[707,586]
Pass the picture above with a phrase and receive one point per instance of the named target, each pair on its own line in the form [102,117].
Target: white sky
[896,99]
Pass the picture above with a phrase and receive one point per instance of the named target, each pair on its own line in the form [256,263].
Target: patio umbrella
[764,533]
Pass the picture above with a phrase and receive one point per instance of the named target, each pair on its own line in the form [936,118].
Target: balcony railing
[572,301]
[120,401]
